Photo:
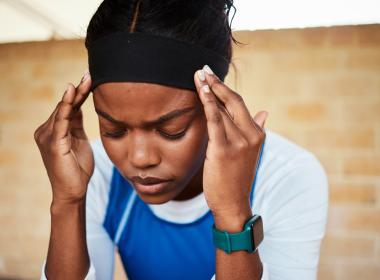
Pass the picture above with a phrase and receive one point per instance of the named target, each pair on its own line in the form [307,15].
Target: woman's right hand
[64,146]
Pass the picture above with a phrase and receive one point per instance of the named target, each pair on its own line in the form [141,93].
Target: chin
[157,198]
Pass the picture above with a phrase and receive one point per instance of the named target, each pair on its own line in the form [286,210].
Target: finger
[52,117]
[200,80]
[63,116]
[215,125]
[82,91]
[76,126]
[233,102]
[233,133]
[50,121]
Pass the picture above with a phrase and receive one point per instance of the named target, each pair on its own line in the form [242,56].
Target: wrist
[232,221]
[59,206]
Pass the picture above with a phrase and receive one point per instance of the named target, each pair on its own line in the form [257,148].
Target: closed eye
[115,134]
[173,136]
[118,134]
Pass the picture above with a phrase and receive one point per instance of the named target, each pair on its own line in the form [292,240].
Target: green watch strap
[239,241]
[232,241]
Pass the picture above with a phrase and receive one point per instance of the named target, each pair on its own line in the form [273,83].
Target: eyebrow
[171,115]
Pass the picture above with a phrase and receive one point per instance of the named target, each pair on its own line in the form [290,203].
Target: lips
[154,189]
[148,180]
[150,185]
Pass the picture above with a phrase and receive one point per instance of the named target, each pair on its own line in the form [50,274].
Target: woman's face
[141,142]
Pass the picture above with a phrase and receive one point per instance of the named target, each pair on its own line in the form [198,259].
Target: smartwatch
[247,240]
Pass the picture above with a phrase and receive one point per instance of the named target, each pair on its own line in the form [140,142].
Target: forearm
[68,255]
[239,264]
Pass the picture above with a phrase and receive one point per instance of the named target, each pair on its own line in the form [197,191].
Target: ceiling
[36,20]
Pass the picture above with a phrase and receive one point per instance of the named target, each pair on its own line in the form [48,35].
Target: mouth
[155,188]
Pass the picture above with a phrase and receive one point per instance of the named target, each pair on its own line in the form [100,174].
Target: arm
[294,212]
[294,208]
[99,245]
[235,140]
[239,264]
[68,159]
[67,256]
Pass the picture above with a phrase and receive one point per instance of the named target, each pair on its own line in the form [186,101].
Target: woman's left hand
[234,145]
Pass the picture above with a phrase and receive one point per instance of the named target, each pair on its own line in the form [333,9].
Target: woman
[172,182]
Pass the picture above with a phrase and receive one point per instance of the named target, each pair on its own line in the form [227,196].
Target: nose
[143,152]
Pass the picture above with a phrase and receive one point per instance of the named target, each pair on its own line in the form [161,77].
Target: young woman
[184,182]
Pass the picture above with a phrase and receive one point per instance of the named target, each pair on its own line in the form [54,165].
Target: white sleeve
[100,246]
[294,216]
[293,205]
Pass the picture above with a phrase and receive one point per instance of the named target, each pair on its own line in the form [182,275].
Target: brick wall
[321,87]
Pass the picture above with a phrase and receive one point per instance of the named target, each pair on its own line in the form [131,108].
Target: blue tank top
[153,248]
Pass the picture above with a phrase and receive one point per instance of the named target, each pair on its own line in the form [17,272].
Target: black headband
[143,57]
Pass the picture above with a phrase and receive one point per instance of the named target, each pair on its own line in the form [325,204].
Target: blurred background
[313,65]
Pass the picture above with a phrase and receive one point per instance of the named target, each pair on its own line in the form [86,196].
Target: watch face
[257,232]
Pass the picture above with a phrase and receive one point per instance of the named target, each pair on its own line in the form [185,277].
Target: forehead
[152,99]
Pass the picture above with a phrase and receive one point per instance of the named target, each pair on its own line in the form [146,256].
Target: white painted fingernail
[66,90]
[86,75]
[208,69]
[206,89]
[201,75]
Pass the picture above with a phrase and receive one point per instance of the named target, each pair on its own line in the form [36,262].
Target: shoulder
[292,197]
[289,178]
[102,162]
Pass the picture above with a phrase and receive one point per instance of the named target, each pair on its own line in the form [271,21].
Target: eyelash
[120,133]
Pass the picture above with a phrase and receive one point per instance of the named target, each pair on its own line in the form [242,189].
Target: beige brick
[312,61]
[340,138]
[313,37]
[328,271]
[347,84]
[353,193]
[355,219]
[8,157]
[342,37]
[369,36]
[331,163]
[364,59]
[377,249]
[359,271]
[362,165]
[349,248]
[361,114]
[306,111]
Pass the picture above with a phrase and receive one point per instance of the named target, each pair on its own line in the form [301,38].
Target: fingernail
[205,89]
[67,87]
[86,75]
[208,69]
[201,75]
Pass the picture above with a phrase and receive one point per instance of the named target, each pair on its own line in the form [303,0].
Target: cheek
[187,155]
[115,151]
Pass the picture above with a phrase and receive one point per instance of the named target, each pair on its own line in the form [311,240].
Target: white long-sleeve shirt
[291,195]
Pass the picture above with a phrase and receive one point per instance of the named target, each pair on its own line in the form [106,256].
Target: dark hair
[203,22]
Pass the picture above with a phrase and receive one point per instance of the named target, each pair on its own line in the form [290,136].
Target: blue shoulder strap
[121,198]
[257,169]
